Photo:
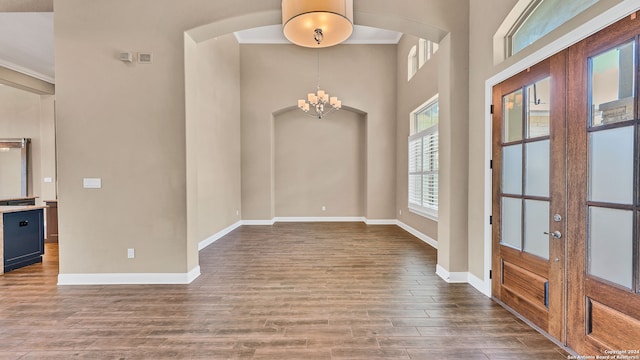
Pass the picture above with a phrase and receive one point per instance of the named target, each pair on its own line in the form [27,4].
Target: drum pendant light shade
[317,23]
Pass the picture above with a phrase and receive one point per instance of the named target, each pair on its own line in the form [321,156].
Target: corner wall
[213,138]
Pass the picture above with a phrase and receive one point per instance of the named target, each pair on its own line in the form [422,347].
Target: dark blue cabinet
[23,238]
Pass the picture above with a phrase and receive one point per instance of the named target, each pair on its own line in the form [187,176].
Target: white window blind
[423,162]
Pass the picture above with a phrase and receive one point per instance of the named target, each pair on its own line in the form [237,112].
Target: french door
[566,193]
[529,196]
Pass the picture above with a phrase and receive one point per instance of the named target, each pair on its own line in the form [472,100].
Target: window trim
[412,62]
[424,53]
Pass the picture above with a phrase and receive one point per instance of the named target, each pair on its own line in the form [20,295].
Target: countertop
[10,209]
[12,198]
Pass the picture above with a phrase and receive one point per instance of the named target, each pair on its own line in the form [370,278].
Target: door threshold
[537,328]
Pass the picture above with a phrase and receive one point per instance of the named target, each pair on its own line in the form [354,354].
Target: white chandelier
[319,104]
[317,23]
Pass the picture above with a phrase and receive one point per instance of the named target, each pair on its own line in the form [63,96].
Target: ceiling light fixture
[317,23]
[319,104]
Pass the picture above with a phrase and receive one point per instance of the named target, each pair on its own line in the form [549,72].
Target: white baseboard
[381,221]
[480,285]
[213,238]
[320,219]
[433,243]
[258,222]
[129,278]
[452,277]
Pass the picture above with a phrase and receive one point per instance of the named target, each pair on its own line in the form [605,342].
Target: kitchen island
[21,236]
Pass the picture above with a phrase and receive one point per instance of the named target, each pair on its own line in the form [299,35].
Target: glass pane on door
[512,223]
[512,115]
[611,165]
[537,168]
[512,169]
[610,247]
[613,85]
[538,95]
[536,222]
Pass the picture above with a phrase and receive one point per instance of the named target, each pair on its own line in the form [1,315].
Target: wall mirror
[14,155]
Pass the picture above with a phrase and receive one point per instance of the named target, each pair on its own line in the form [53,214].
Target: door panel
[529,189]
[603,157]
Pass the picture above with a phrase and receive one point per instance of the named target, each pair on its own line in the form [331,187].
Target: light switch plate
[145,58]
[92,183]
[48,180]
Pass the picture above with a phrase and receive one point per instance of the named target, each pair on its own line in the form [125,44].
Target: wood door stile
[576,188]
[558,192]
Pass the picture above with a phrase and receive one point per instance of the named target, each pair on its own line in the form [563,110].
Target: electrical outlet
[400,211]
[324,208]
[237,212]
[131,253]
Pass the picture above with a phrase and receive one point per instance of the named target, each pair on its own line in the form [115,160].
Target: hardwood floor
[288,291]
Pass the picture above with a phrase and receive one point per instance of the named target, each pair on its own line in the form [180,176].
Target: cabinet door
[23,235]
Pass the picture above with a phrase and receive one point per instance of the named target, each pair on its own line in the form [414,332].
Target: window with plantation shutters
[423,161]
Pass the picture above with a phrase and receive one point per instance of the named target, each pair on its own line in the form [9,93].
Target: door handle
[555,234]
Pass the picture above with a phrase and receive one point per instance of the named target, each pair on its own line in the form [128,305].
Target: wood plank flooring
[288,291]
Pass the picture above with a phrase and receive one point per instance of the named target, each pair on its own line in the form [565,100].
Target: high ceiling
[26,43]
[26,38]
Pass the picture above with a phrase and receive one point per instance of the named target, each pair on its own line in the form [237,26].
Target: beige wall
[27,115]
[125,123]
[213,138]
[411,94]
[10,173]
[274,77]
[485,19]
[319,163]
[48,190]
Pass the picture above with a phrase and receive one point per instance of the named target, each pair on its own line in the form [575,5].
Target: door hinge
[490,274]
[490,219]
[491,109]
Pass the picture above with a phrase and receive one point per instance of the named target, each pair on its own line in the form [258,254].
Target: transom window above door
[539,18]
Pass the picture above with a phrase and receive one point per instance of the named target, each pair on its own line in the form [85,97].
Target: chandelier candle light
[319,104]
